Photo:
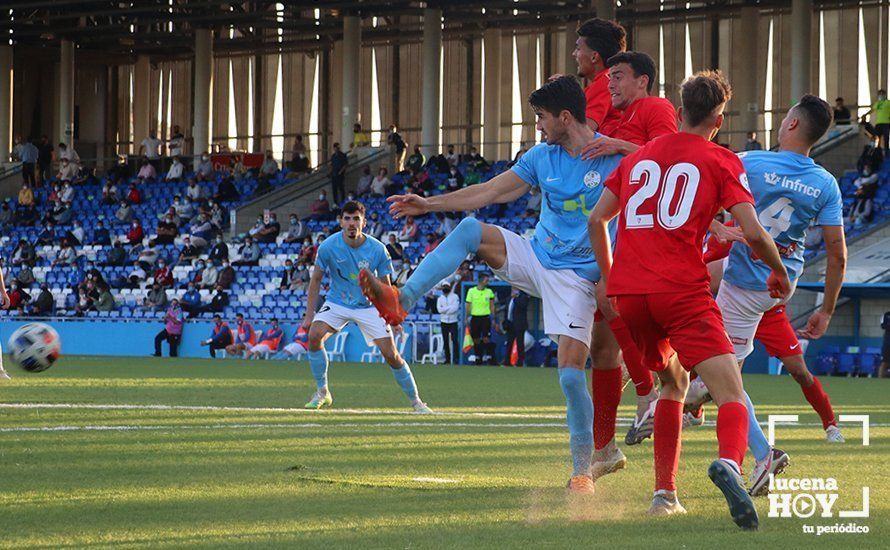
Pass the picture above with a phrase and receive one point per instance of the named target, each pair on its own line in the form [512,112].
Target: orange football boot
[384,297]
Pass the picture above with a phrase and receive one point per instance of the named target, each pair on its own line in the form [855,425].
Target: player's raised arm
[836,248]
[503,188]
[764,246]
[312,296]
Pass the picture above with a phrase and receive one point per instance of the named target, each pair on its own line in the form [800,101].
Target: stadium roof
[164,28]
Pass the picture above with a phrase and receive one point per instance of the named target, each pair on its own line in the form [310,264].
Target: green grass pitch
[218,454]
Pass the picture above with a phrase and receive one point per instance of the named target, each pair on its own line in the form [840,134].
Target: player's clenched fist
[778,285]
[407,205]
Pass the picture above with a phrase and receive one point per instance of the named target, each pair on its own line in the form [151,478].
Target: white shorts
[294,348]
[373,327]
[261,348]
[742,310]
[568,299]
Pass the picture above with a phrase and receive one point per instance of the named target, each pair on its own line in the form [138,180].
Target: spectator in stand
[26,195]
[44,305]
[321,208]
[191,300]
[147,171]
[842,114]
[226,276]
[185,211]
[297,231]
[27,153]
[204,168]
[339,163]
[299,160]
[523,149]
[307,252]
[360,138]
[452,157]
[27,216]
[188,253]
[156,300]
[176,170]
[880,118]
[195,192]
[209,275]
[86,298]
[67,192]
[248,253]
[124,214]
[136,276]
[67,170]
[287,275]
[101,235]
[455,179]
[44,159]
[380,183]
[202,231]
[448,306]
[270,231]
[269,342]
[394,139]
[146,256]
[151,148]
[416,161]
[396,252]
[109,193]
[133,195]
[25,276]
[220,337]
[752,144]
[69,154]
[24,253]
[135,234]
[269,167]
[220,251]
[408,232]
[176,143]
[862,210]
[63,213]
[476,161]
[163,274]
[245,337]
[227,191]
[117,256]
[7,216]
[447,223]
[17,298]
[105,300]
[438,163]
[374,227]
[364,183]
[66,255]
[172,333]
[76,236]
[431,243]
[167,231]
[867,177]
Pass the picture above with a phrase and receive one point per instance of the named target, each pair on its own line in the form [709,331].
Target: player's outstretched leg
[815,395]
[318,364]
[579,417]
[392,303]
[769,460]
[667,425]
[606,388]
[643,383]
[402,373]
[723,379]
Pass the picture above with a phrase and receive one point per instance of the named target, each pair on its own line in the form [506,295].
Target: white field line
[300,425]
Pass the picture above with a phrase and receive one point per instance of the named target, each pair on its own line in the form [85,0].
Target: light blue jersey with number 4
[790,191]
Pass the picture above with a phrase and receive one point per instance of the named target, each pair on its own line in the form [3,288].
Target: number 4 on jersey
[776,218]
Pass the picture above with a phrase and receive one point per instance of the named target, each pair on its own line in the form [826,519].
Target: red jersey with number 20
[669,192]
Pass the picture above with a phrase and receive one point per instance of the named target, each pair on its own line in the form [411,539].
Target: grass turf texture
[255,476]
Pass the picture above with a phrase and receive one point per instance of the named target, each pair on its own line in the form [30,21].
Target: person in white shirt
[147,171]
[194,191]
[67,170]
[151,147]
[176,142]
[77,233]
[69,153]
[175,172]
[448,305]
[452,157]
[203,168]
[379,183]
[67,192]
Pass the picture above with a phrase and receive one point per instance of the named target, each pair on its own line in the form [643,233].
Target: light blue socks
[406,380]
[757,441]
[442,261]
[318,364]
[579,417]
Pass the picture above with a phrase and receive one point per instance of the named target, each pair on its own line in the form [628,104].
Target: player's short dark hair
[561,94]
[701,94]
[605,37]
[239,315]
[274,319]
[816,115]
[217,317]
[352,207]
[641,63]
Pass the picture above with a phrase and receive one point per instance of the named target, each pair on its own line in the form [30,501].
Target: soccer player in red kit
[598,40]
[667,194]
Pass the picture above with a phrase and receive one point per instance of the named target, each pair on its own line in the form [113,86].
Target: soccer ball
[35,346]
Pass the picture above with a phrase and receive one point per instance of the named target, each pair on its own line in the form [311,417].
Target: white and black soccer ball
[35,346]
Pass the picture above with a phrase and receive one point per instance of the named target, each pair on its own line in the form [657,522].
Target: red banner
[224,160]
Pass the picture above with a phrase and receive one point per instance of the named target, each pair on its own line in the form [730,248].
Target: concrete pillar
[352,45]
[6,102]
[491,103]
[203,67]
[801,31]
[141,100]
[570,66]
[605,9]
[744,78]
[432,76]
[66,93]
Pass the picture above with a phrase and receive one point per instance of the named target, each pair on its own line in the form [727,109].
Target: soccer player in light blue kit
[790,191]
[342,256]
[556,265]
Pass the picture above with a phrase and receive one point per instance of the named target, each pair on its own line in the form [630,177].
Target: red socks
[606,393]
[732,431]
[820,402]
[666,434]
[633,359]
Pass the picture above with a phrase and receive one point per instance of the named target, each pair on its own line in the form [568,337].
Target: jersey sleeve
[662,121]
[734,188]
[598,105]
[384,262]
[321,258]
[832,211]
[526,167]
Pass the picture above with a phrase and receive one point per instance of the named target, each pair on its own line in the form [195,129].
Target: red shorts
[598,316]
[776,333]
[688,323]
